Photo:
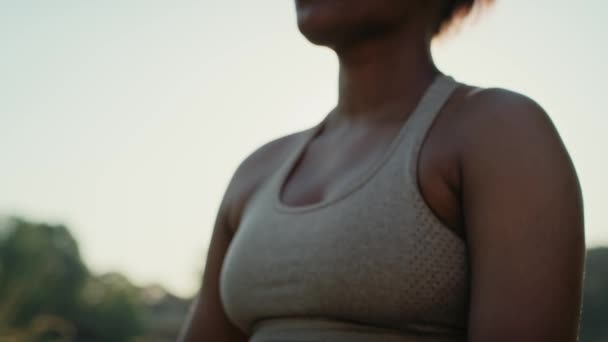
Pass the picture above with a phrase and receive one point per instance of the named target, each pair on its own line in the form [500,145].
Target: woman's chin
[321,21]
[331,23]
[320,29]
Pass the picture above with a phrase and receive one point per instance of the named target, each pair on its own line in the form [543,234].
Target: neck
[382,76]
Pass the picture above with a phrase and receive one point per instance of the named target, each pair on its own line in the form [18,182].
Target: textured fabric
[371,264]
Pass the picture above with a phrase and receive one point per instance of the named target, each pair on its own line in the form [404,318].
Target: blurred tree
[111,309]
[47,293]
[41,272]
[594,325]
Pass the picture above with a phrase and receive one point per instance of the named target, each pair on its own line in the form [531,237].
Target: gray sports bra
[371,264]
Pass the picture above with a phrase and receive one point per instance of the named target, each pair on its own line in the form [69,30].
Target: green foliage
[594,326]
[47,293]
[41,270]
[111,309]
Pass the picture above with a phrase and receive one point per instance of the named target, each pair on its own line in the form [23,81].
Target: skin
[493,168]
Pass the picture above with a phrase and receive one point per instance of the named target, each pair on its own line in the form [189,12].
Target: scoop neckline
[357,182]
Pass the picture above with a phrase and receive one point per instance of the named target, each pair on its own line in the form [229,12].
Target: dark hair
[455,10]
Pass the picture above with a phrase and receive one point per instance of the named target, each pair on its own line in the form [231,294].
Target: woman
[419,209]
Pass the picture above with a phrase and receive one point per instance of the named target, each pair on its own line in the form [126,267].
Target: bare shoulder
[512,142]
[498,120]
[254,169]
[496,110]
[523,214]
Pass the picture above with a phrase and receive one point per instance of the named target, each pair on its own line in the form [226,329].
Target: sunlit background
[125,119]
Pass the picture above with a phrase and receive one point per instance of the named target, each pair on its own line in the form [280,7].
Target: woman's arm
[524,218]
[207,320]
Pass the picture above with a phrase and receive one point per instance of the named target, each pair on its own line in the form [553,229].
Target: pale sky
[125,119]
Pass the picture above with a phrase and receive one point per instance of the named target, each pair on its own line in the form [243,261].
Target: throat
[379,76]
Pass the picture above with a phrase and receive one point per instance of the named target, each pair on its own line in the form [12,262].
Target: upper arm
[207,320]
[524,219]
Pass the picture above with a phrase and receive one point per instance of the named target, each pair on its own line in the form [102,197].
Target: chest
[330,164]
[378,261]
